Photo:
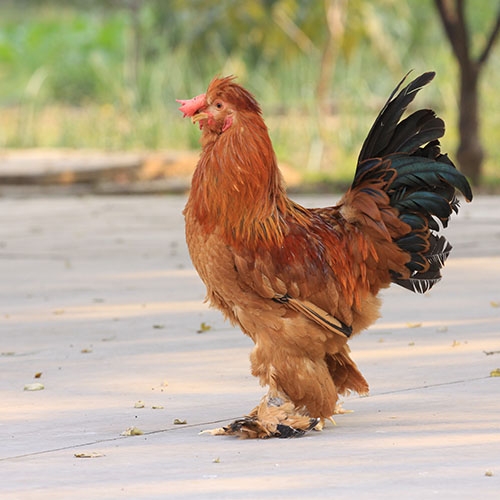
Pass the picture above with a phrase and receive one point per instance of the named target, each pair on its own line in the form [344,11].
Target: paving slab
[100,304]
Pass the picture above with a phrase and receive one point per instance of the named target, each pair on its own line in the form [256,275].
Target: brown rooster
[300,281]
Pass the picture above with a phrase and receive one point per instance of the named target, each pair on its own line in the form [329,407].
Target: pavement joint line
[113,439]
[427,386]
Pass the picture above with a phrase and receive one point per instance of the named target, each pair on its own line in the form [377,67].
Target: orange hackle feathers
[300,282]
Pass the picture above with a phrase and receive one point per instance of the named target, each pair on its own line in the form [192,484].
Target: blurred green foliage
[105,73]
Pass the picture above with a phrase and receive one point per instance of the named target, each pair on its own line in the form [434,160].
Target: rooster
[302,281]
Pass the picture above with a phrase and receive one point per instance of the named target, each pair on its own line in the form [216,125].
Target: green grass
[68,78]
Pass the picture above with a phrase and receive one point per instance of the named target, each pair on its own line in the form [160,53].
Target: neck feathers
[237,188]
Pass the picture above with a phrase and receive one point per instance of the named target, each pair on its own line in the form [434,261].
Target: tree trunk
[470,152]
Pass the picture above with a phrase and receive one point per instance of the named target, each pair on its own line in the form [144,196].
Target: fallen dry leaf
[204,328]
[35,386]
[92,454]
[37,375]
[139,404]
[494,303]
[495,372]
[132,431]
[157,407]
[178,421]
[413,325]
[489,473]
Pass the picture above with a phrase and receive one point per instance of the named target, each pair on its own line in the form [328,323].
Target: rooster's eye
[219,105]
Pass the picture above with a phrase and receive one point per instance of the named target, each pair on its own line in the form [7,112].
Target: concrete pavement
[100,304]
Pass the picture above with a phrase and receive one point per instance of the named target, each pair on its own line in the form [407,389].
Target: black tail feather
[421,182]
[422,281]
[383,130]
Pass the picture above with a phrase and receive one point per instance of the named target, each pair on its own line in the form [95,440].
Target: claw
[339,410]
[220,431]
[320,425]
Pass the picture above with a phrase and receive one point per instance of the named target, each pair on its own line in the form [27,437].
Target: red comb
[190,106]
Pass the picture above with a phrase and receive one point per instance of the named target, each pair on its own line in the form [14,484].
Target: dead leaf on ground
[132,431]
[495,372]
[178,421]
[37,375]
[92,454]
[413,325]
[35,386]
[204,328]
[139,404]
[494,303]
[157,407]
[86,351]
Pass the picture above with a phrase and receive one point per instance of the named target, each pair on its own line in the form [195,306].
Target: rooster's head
[217,110]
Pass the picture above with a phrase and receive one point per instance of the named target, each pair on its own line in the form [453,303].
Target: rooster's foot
[250,427]
[272,418]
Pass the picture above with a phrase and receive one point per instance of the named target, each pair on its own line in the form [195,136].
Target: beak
[198,117]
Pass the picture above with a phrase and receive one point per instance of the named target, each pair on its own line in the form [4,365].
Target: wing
[314,272]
